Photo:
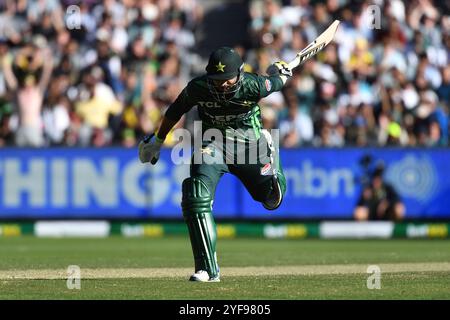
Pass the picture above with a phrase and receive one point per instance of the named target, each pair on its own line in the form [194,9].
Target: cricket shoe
[276,196]
[203,276]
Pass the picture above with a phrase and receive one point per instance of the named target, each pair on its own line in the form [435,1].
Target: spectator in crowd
[374,85]
[96,110]
[444,89]
[369,95]
[27,75]
[379,201]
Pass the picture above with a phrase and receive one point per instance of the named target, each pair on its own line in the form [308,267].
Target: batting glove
[149,149]
[279,68]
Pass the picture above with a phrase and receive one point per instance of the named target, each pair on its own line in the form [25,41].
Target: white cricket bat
[314,47]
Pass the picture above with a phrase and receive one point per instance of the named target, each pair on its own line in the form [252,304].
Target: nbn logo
[315,182]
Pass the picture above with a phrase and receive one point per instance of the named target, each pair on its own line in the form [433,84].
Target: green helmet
[224,64]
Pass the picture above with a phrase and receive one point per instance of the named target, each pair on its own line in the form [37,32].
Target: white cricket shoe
[203,276]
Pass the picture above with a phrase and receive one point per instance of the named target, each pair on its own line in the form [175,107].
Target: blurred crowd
[91,73]
[103,72]
[384,81]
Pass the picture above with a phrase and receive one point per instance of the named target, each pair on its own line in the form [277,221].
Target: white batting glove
[149,149]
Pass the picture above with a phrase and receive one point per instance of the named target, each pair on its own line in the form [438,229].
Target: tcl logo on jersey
[209,104]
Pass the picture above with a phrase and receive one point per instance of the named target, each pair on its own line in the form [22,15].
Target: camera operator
[379,200]
[27,75]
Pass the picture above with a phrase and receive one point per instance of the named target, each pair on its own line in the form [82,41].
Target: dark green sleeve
[267,85]
[180,106]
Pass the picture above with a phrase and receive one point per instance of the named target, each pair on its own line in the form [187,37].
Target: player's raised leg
[264,180]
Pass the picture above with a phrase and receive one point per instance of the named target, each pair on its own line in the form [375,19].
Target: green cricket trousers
[256,164]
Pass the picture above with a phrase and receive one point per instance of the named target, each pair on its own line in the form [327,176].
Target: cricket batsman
[227,100]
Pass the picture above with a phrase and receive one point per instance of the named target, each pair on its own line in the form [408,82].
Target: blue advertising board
[112,183]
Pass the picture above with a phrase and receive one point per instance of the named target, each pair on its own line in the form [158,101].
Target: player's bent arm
[262,86]
[165,127]
[149,147]
[277,82]
[176,110]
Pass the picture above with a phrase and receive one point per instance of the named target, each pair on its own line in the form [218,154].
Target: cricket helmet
[224,64]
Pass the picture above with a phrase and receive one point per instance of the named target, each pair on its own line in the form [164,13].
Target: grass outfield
[144,268]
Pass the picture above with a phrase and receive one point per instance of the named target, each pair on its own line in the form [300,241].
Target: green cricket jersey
[240,113]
